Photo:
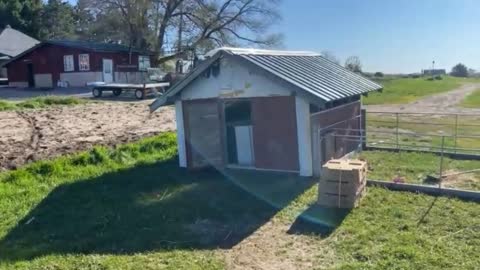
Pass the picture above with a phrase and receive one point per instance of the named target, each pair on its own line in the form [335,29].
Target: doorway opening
[239,133]
[30,76]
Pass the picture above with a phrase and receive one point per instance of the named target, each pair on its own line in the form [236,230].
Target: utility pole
[433,69]
[179,62]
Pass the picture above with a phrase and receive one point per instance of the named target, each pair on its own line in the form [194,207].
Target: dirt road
[442,103]
[39,134]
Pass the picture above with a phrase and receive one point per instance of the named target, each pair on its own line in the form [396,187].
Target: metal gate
[336,132]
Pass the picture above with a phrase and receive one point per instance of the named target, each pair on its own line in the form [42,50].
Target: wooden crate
[342,186]
[342,200]
[347,170]
[343,183]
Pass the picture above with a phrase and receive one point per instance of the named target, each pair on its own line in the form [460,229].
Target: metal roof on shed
[311,72]
[308,71]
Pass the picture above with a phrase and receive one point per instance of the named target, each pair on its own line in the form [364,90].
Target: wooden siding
[48,59]
[275,133]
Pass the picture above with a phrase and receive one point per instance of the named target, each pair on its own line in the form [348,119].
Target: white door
[244,144]
[108,70]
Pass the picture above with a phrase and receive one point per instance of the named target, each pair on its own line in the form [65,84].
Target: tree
[459,70]
[471,72]
[57,20]
[22,15]
[330,56]
[353,64]
[174,27]
[378,74]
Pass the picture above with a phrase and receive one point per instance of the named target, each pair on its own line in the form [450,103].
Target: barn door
[203,133]
[275,133]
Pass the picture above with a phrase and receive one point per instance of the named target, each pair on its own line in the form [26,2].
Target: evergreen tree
[22,15]
[57,20]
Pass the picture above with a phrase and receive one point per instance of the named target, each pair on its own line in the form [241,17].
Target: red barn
[76,63]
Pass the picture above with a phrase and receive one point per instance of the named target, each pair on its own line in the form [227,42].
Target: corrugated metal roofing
[307,71]
[310,72]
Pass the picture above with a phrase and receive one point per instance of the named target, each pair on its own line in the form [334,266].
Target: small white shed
[255,109]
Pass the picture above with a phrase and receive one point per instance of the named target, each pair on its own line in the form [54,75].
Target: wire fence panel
[460,133]
[416,148]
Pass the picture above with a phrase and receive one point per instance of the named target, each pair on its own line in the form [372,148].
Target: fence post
[440,174]
[363,128]
[456,133]
[398,146]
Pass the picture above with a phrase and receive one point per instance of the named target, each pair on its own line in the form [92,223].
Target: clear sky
[388,35]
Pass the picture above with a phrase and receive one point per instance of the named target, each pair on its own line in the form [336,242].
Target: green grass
[39,102]
[132,208]
[414,167]
[472,100]
[406,90]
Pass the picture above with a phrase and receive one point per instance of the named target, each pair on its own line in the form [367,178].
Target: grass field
[405,90]
[472,100]
[132,208]
[39,102]
[415,167]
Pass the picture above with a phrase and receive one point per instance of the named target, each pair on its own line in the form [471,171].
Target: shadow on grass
[318,220]
[150,208]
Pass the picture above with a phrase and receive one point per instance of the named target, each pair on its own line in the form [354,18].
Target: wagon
[140,90]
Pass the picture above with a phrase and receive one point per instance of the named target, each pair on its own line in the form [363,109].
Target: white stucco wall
[182,150]
[43,80]
[234,81]
[130,77]
[79,79]
[304,136]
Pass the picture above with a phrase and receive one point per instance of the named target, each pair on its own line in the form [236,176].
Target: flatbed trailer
[140,90]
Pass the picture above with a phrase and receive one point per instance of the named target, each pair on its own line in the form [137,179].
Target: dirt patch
[39,134]
[273,247]
[441,103]
[469,181]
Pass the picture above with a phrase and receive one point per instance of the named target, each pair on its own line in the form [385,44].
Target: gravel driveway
[447,102]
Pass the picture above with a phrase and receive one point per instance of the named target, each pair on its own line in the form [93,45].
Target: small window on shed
[84,62]
[68,63]
[143,62]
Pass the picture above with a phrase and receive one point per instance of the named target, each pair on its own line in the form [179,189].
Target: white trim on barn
[182,150]
[304,136]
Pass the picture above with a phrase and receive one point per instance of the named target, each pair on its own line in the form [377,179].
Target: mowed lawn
[132,208]
[472,100]
[406,90]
